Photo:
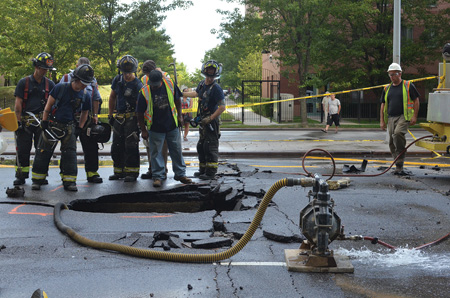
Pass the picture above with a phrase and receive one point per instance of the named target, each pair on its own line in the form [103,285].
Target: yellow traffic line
[382,161]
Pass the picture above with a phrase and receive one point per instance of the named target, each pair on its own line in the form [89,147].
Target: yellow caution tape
[195,99]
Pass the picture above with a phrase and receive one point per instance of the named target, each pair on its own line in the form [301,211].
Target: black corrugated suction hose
[177,257]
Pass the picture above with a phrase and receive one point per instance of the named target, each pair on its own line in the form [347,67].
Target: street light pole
[397,31]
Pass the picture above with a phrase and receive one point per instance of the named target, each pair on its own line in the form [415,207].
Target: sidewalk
[269,143]
[248,114]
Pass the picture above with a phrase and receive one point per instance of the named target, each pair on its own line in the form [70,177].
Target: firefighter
[211,105]
[31,96]
[59,124]
[89,145]
[125,89]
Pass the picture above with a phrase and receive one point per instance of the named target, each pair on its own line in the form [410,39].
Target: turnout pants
[44,152]
[24,140]
[208,148]
[125,146]
[90,150]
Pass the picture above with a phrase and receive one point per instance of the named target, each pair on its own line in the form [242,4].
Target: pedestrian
[89,145]
[211,105]
[325,101]
[31,95]
[147,67]
[159,102]
[334,109]
[59,124]
[125,89]
[186,103]
[399,109]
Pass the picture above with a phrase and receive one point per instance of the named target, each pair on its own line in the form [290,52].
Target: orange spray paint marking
[14,211]
[55,189]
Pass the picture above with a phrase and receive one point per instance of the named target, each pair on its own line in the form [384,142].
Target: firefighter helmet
[100,133]
[84,73]
[211,64]
[127,64]
[43,60]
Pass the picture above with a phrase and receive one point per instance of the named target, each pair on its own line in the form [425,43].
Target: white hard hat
[394,66]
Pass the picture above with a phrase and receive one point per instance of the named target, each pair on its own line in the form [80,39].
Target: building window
[407,33]
[432,3]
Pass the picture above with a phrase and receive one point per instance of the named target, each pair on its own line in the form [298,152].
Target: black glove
[111,120]
[44,124]
[77,131]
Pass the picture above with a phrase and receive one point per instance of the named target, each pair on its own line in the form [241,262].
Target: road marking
[14,211]
[283,264]
[410,163]
[322,140]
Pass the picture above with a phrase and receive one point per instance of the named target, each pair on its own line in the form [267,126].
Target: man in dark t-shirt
[160,105]
[399,110]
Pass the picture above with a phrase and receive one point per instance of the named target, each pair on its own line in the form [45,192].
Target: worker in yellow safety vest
[399,110]
[159,103]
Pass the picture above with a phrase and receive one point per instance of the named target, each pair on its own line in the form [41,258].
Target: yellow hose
[178,257]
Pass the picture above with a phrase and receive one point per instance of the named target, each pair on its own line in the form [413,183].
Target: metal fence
[357,107]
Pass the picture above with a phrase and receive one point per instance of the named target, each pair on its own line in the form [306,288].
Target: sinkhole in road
[188,198]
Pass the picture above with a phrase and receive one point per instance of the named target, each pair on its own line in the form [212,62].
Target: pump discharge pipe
[182,257]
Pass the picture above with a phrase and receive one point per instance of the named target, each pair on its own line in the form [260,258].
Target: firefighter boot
[200,172]
[70,186]
[209,174]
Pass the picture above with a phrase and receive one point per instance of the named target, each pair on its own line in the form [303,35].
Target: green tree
[240,37]
[160,51]
[250,69]
[357,43]
[30,27]
[120,29]
[290,28]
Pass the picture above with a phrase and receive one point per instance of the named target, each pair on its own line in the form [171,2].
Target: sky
[189,30]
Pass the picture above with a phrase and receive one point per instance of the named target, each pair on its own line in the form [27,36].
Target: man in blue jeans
[160,105]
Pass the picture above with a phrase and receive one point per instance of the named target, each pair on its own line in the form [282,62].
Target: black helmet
[127,64]
[100,133]
[44,60]
[85,73]
[215,65]
[446,51]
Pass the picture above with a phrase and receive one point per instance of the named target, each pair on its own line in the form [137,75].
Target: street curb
[250,154]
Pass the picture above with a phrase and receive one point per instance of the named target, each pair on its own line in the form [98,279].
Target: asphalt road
[403,211]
